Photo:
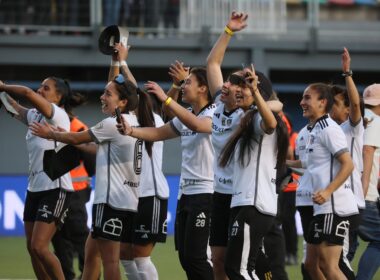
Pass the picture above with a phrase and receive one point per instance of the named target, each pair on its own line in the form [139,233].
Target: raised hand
[238,21]
[178,72]
[121,52]
[154,88]
[346,61]
[251,78]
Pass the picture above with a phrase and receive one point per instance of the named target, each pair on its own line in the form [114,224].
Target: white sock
[130,269]
[146,268]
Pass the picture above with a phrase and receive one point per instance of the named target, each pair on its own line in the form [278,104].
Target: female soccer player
[256,149]
[196,183]
[118,166]
[329,164]
[47,201]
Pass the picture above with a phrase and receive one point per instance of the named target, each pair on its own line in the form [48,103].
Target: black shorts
[306,214]
[150,223]
[248,227]
[111,224]
[220,214]
[330,228]
[47,206]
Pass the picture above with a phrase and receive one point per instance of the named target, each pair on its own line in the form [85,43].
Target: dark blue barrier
[12,197]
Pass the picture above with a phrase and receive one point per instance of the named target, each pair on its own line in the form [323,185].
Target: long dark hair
[69,98]
[245,133]
[138,99]
[324,92]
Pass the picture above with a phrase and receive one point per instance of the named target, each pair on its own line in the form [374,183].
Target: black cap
[110,35]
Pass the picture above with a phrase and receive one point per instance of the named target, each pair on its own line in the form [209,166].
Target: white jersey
[371,138]
[118,165]
[326,142]
[304,189]
[223,125]
[152,180]
[38,180]
[354,135]
[197,173]
[255,184]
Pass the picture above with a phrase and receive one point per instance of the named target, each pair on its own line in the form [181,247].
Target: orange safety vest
[292,186]
[79,175]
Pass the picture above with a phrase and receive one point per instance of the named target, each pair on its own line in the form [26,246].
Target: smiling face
[229,91]
[110,100]
[49,91]
[190,89]
[312,107]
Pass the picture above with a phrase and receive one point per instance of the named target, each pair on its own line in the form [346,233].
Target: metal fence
[141,16]
[264,15]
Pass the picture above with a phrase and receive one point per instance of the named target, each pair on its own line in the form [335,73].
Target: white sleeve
[209,111]
[59,117]
[371,133]
[333,138]
[104,130]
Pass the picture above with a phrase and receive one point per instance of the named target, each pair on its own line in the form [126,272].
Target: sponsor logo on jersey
[131,184]
[188,133]
[216,128]
[225,181]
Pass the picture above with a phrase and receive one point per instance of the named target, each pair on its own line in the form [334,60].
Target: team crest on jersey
[226,121]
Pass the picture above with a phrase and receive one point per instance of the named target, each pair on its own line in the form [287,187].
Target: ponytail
[69,99]
[145,116]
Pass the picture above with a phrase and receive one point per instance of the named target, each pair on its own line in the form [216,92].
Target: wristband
[115,63]
[347,73]
[175,86]
[228,31]
[167,101]
[123,63]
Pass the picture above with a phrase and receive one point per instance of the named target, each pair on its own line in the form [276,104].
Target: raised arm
[201,125]
[44,130]
[269,121]
[39,102]
[178,72]
[353,95]
[346,167]
[22,111]
[119,64]
[237,22]
[147,133]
